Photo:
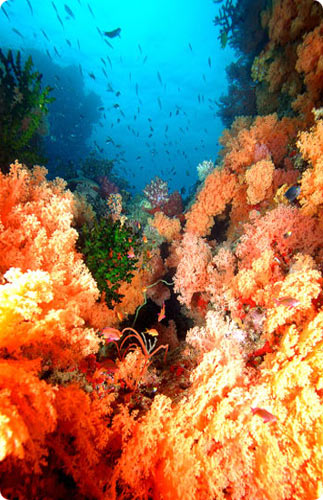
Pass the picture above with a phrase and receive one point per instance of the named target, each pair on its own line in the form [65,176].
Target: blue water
[159,126]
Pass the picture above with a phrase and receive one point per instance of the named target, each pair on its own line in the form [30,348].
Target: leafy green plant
[23,107]
[110,251]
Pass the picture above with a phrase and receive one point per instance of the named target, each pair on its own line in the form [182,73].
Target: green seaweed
[107,248]
[23,107]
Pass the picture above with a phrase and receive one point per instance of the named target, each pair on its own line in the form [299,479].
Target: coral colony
[155,347]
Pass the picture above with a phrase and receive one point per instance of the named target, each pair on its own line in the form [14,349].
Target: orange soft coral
[311,195]
[51,289]
[191,275]
[310,64]
[216,193]
[169,228]
[259,179]
[214,431]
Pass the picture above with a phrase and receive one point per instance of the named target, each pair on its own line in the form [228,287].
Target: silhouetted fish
[190,46]
[89,6]
[113,33]
[209,61]
[60,20]
[159,78]
[5,13]
[17,32]
[55,8]
[69,11]
[31,9]
[45,35]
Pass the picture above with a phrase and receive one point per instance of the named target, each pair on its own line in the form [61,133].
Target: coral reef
[203,379]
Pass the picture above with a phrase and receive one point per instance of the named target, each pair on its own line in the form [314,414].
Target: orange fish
[144,238]
[131,254]
[266,415]
[149,254]
[119,315]
[151,331]
[162,314]
[110,334]
[287,302]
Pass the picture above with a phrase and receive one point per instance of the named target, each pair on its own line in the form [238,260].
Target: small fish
[4,11]
[61,22]
[17,32]
[209,62]
[109,60]
[159,103]
[140,49]
[151,331]
[30,7]
[54,7]
[119,316]
[144,238]
[289,302]
[68,42]
[89,7]
[144,59]
[92,75]
[292,193]
[137,88]
[131,253]
[190,47]
[113,33]
[117,93]
[68,10]
[110,333]
[264,414]
[45,35]
[159,78]
[161,314]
